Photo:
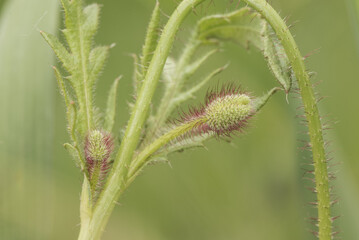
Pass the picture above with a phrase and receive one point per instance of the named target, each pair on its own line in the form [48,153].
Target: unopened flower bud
[225,113]
[98,149]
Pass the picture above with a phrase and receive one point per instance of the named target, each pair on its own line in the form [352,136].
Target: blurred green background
[253,188]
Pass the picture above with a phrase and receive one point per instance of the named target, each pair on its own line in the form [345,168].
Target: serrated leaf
[71,20]
[81,25]
[61,85]
[91,16]
[97,59]
[243,27]
[277,58]
[59,49]
[111,107]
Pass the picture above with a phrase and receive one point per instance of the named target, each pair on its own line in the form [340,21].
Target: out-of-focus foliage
[27,203]
[251,189]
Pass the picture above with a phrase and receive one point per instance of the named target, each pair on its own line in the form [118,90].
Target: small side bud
[98,149]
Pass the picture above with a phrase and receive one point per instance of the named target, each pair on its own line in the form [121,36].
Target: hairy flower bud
[98,146]
[225,112]
[98,149]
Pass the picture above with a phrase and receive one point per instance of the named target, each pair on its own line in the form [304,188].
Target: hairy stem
[117,179]
[143,157]
[166,107]
[85,210]
[311,111]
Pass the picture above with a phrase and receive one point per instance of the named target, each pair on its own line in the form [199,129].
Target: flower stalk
[118,176]
[224,113]
[311,112]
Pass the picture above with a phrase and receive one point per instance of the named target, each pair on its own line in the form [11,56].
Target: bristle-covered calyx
[225,112]
[228,113]
[98,149]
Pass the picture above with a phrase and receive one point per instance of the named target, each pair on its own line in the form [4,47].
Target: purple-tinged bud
[98,149]
[225,112]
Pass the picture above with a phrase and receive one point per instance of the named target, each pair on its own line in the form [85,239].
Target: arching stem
[311,112]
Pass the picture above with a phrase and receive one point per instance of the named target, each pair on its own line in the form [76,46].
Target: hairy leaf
[246,27]
[59,49]
[261,101]
[185,95]
[137,76]
[97,59]
[61,85]
[243,27]
[83,63]
[277,58]
[190,69]
[151,39]
[111,107]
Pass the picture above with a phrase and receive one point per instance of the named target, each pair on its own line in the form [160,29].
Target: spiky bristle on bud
[225,112]
[98,149]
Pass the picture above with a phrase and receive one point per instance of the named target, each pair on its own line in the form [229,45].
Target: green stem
[311,111]
[85,210]
[143,157]
[173,88]
[117,179]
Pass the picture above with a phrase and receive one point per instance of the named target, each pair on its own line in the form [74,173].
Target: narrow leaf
[277,58]
[192,68]
[97,59]
[190,93]
[71,19]
[151,39]
[91,17]
[61,85]
[59,49]
[137,76]
[72,119]
[261,101]
[111,107]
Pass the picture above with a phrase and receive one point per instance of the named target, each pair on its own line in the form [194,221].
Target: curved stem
[117,179]
[311,111]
